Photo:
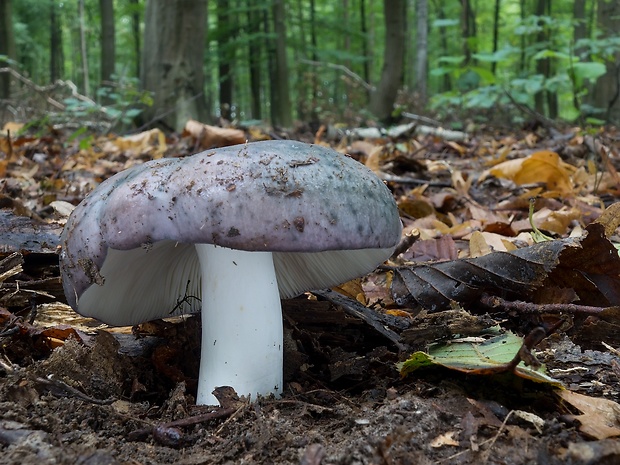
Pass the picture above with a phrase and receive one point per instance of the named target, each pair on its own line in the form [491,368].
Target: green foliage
[126,99]
[573,74]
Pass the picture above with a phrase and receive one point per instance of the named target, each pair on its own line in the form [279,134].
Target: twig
[143,433]
[353,307]
[56,383]
[490,442]
[495,302]
[342,68]
[424,119]
[70,390]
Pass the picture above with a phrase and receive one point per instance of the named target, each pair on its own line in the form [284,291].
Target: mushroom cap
[129,244]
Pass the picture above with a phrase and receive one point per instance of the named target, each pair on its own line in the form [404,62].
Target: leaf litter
[75,391]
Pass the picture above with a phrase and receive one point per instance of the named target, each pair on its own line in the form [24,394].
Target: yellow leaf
[543,166]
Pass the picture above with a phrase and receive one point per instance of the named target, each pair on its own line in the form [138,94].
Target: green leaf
[590,70]
[476,358]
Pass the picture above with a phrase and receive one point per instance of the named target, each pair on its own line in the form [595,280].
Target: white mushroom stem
[241,323]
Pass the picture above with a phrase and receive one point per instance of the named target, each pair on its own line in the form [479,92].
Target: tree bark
[108,58]
[421,68]
[383,98]
[225,58]
[468,28]
[606,93]
[445,83]
[7,47]
[281,112]
[83,48]
[365,47]
[254,57]
[543,66]
[172,68]
[135,32]
[495,32]
[56,53]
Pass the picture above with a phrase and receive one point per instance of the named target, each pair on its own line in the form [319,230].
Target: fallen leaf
[213,136]
[600,418]
[477,358]
[542,166]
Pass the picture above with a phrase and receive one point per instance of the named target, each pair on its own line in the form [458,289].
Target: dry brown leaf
[543,166]
[478,245]
[213,136]
[375,158]
[445,439]
[152,142]
[352,289]
[600,418]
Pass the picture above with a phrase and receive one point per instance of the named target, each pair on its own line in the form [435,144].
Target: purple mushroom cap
[306,203]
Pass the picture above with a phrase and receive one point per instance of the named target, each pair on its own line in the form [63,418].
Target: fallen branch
[495,303]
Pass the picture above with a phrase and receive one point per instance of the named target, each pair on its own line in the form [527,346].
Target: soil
[108,396]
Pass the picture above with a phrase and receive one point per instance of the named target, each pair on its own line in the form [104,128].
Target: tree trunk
[545,67]
[468,28]
[56,53]
[365,47]
[108,61]
[225,32]
[606,93]
[6,46]
[83,48]
[172,68]
[496,11]
[445,84]
[580,29]
[135,32]
[254,57]
[383,98]
[421,68]
[281,113]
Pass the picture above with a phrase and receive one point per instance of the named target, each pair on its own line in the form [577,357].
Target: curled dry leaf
[590,265]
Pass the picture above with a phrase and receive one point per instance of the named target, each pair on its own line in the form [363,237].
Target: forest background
[135,62]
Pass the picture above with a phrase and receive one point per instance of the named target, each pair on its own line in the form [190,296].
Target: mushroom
[227,232]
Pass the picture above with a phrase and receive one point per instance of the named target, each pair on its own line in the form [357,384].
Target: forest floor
[74,391]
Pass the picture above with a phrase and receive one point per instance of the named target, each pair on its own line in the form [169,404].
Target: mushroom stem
[241,323]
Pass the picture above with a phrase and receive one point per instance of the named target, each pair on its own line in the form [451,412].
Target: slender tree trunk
[225,58]
[280,98]
[135,32]
[365,47]
[383,98]
[445,83]
[108,52]
[83,48]
[606,93]
[174,42]
[6,45]
[580,29]
[315,57]
[421,68]
[254,56]
[543,66]
[468,28]
[56,53]
[523,42]
[495,32]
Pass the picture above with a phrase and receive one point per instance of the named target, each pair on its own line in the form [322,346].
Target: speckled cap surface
[279,196]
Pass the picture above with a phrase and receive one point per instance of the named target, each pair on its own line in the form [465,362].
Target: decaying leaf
[600,418]
[213,136]
[589,265]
